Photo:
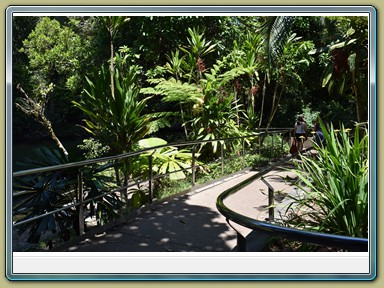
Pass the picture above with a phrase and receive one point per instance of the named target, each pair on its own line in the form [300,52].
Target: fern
[175,91]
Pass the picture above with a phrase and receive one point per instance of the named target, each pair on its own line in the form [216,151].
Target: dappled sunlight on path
[189,222]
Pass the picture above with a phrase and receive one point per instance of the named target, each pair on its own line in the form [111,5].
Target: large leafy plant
[38,194]
[335,185]
[116,120]
[208,111]
[165,159]
[217,120]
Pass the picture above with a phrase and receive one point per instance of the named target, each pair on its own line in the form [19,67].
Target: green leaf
[138,199]
[151,142]
[328,74]
[352,62]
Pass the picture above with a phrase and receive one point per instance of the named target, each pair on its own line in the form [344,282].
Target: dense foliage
[63,50]
[120,84]
[335,183]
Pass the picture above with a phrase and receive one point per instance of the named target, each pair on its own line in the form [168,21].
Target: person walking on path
[300,132]
[319,136]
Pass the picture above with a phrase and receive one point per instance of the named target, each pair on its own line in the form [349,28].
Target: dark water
[23,151]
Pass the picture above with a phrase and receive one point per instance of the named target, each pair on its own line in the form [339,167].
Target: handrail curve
[324,239]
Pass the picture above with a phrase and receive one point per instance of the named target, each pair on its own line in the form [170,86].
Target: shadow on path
[173,226]
[187,223]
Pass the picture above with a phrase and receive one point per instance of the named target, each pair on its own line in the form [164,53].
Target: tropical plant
[247,54]
[187,71]
[280,58]
[251,119]
[276,30]
[112,24]
[208,112]
[347,68]
[165,159]
[46,192]
[335,185]
[195,52]
[217,120]
[293,61]
[93,148]
[117,121]
[175,64]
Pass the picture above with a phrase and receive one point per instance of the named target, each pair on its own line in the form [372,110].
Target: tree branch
[38,112]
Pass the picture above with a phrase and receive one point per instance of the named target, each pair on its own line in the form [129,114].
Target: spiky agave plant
[47,192]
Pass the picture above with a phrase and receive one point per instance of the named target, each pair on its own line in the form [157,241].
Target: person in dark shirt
[300,132]
[319,138]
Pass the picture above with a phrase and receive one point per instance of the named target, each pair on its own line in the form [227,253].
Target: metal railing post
[193,165]
[282,145]
[241,243]
[271,209]
[150,180]
[81,200]
[222,158]
[271,201]
[244,154]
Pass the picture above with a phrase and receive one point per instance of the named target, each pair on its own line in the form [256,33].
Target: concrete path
[190,222]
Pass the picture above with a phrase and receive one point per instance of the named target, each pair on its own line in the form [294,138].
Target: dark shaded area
[170,227]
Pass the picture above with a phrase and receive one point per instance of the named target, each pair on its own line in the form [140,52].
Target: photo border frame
[211,9]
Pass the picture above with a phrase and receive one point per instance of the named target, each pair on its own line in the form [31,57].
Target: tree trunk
[111,68]
[37,111]
[360,111]
[275,106]
[118,182]
[185,124]
[262,100]
[276,102]
[47,124]
[237,108]
[358,108]
[125,190]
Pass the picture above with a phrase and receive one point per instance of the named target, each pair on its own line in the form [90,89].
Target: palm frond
[276,30]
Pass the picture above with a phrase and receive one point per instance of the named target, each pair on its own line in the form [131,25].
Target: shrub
[93,148]
[335,185]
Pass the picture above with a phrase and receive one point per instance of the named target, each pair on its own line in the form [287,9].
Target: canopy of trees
[203,77]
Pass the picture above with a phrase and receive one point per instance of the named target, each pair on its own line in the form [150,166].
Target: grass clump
[335,183]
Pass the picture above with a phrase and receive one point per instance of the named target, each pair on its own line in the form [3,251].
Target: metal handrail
[135,153]
[84,163]
[324,239]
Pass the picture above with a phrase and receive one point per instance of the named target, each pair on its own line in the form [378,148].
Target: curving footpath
[191,222]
